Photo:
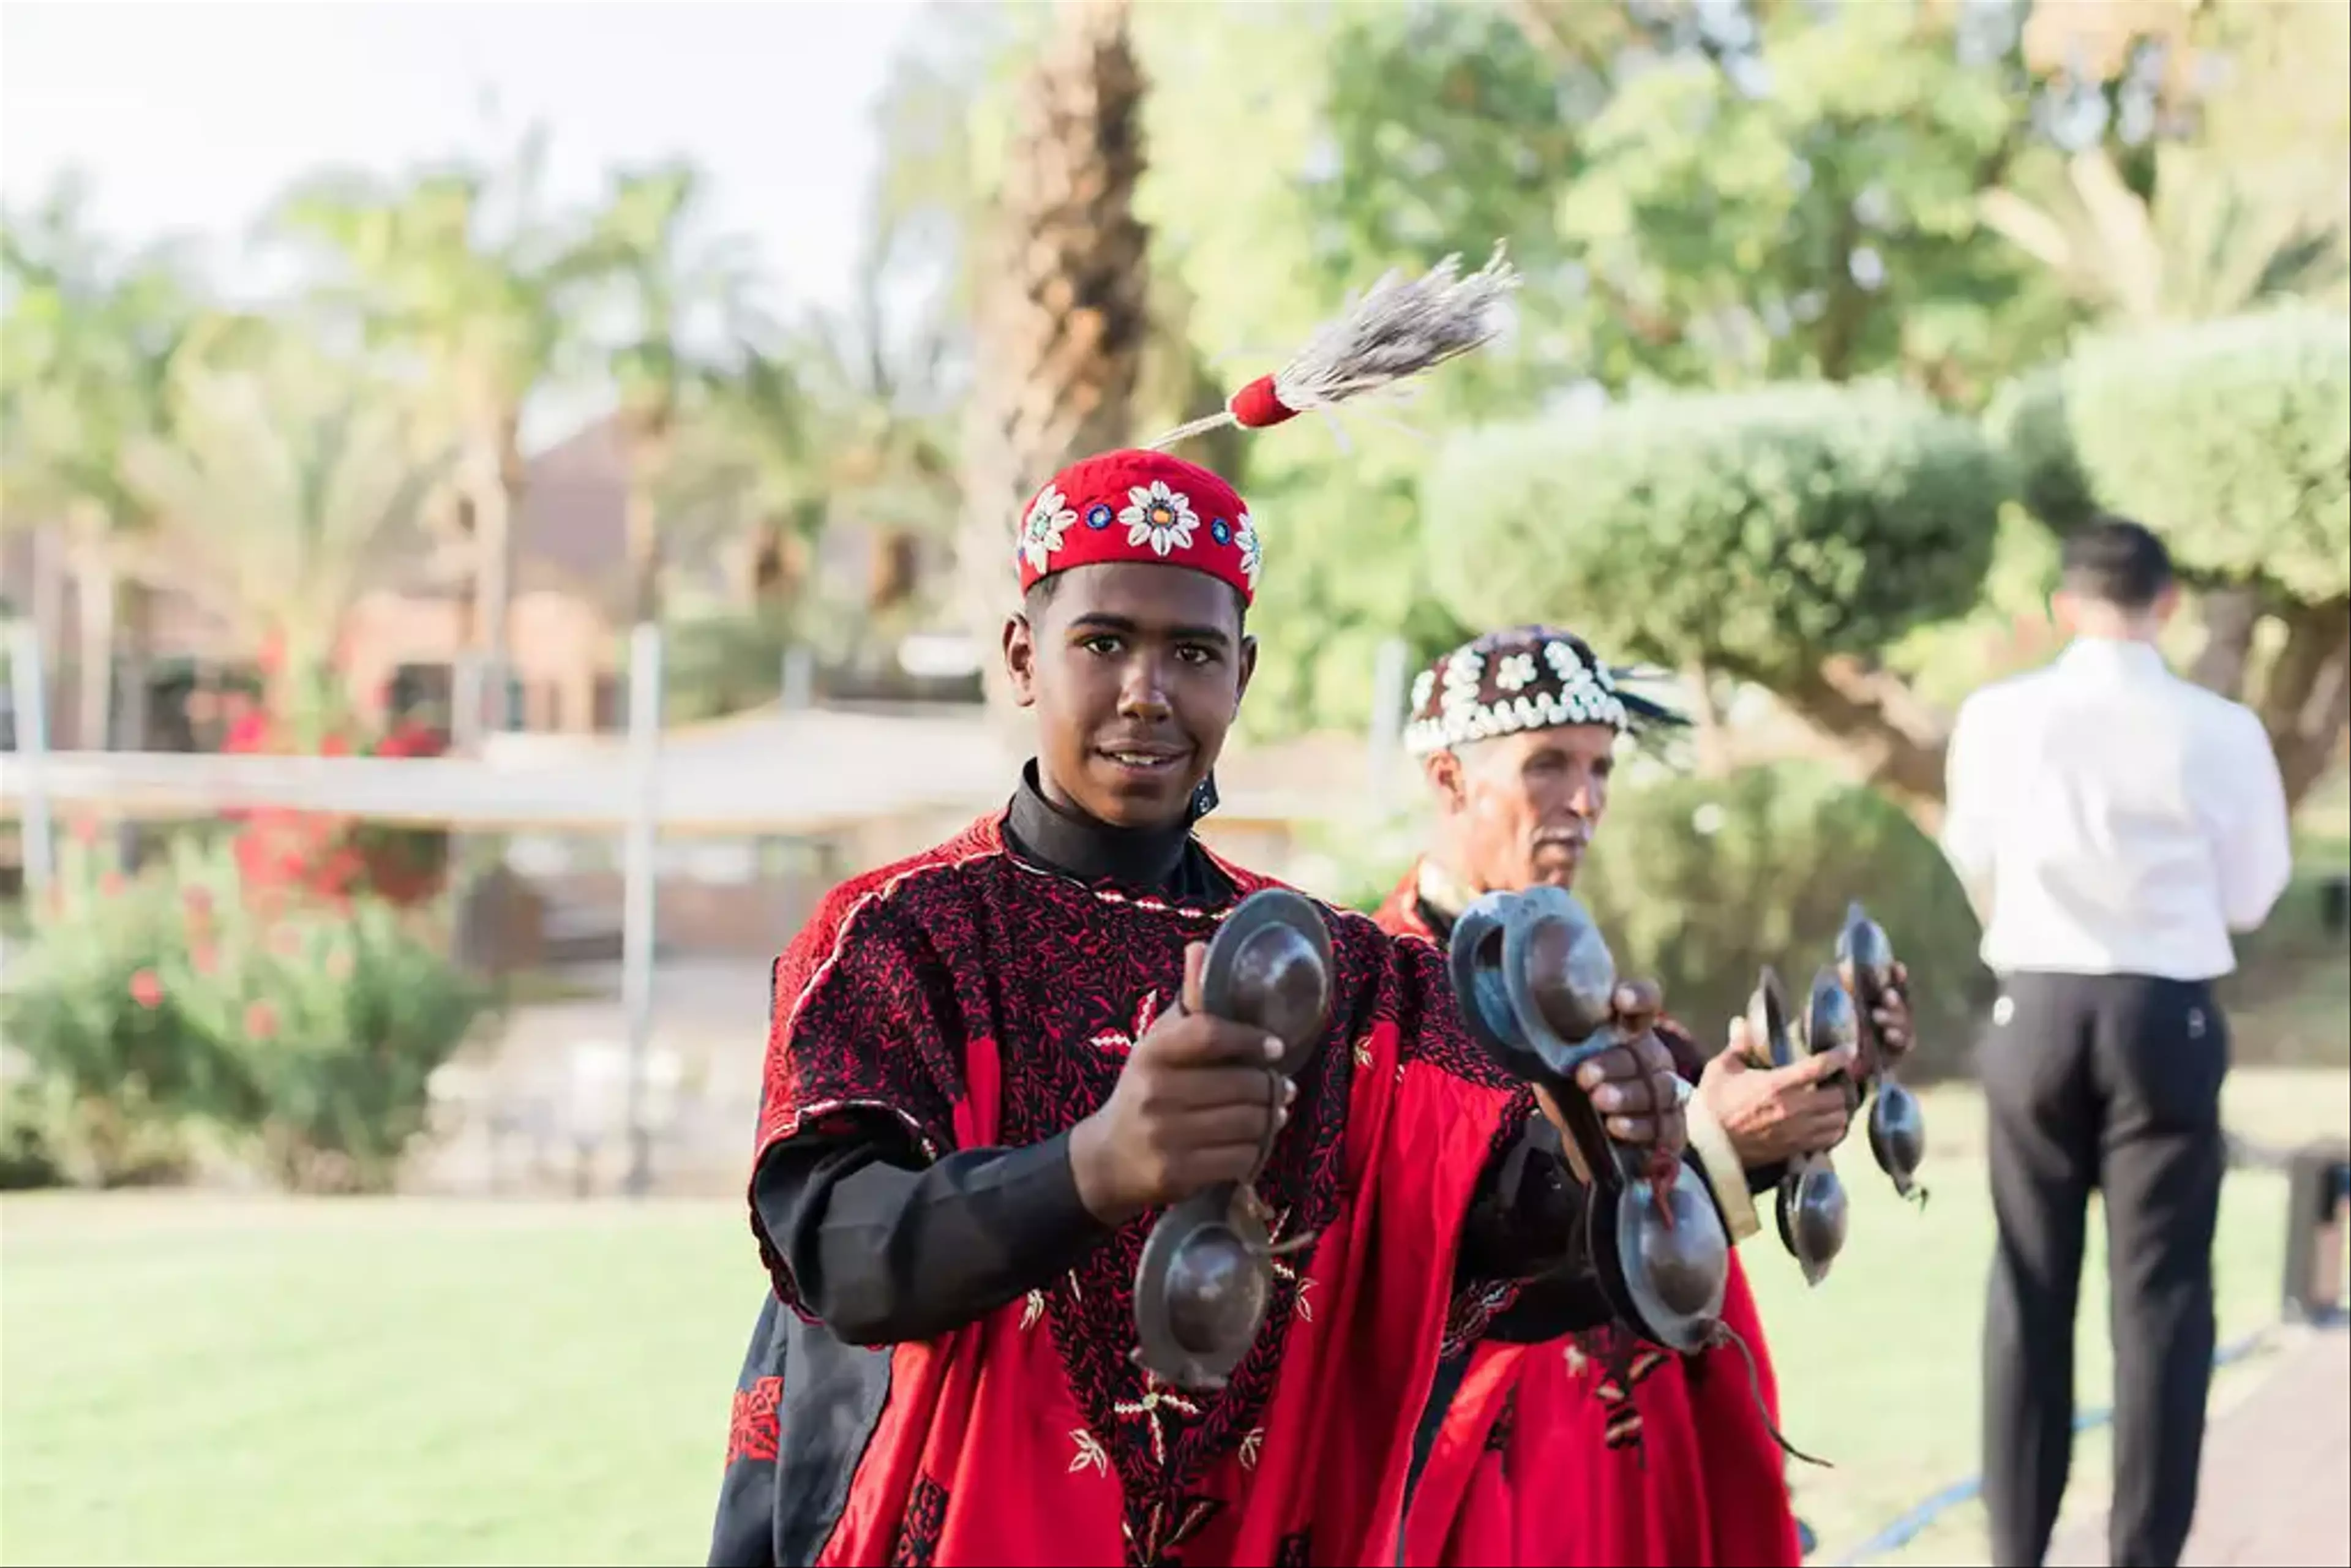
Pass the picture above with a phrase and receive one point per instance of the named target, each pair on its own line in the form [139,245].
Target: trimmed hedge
[1759,531]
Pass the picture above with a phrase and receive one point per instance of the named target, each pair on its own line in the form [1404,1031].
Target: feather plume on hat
[1398,329]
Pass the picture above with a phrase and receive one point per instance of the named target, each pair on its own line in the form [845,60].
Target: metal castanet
[1810,1202]
[1898,1125]
[1812,1208]
[1536,984]
[1206,1274]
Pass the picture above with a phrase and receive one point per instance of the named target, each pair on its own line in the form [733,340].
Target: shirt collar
[2112,655]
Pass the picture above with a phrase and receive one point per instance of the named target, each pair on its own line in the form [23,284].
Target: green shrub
[1757,531]
[113,1072]
[2230,438]
[181,1007]
[2029,419]
[332,1018]
[27,1159]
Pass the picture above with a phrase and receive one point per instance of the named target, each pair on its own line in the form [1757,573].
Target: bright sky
[191,115]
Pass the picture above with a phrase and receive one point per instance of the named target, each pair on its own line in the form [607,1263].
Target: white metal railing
[688,794]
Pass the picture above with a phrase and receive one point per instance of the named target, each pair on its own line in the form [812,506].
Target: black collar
[1143,859]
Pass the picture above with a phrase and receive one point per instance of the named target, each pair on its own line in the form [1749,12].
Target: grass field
[188,1379]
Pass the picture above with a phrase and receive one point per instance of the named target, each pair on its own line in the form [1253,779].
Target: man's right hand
[1195,1103]
[1772,1114]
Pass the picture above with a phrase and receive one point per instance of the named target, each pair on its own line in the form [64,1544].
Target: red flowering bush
[107,1070]
[175,1009]
[332,1012]
[321,854]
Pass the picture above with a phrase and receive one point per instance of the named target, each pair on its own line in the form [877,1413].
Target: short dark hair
[1040,594]
[2116,561]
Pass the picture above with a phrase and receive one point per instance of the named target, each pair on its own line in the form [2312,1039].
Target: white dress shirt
[2107,817]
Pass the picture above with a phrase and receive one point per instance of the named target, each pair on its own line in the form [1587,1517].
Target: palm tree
[884,388]
[678,300]
[292,484]
[90,339]
[464,266]
[2217,236]
[1061,311]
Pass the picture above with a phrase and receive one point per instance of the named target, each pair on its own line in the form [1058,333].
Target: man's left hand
[1892,1017]
[1632,1084]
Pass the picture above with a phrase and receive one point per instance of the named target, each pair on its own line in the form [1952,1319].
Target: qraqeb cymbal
[1205,1278]
[1536,984]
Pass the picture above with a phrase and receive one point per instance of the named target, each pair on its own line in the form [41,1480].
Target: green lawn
[206,1380]
[194,1381]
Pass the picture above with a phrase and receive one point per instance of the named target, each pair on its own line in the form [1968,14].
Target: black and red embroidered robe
[936,1030]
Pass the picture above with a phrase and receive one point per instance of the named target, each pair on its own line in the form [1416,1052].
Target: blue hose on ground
[1909,1527]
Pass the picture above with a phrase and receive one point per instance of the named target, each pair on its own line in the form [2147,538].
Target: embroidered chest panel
[1064,1030]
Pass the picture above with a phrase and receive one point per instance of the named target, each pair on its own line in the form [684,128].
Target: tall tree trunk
[2304,701]
[137,667]
[96,586]
[648,461]
[1708,733]
[1061,315]
[495,480]
[2231,617]
[894,569]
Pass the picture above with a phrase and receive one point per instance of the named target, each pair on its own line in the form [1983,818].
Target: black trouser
[2110,1081]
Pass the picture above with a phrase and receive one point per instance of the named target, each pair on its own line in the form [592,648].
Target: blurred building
[567,619]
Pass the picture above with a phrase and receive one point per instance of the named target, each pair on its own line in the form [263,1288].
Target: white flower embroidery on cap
[1244,536]
[1462,673]
[1516,673]
[1159,517]
[1047,522]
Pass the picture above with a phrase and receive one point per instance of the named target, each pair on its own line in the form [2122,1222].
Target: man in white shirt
[2113,824]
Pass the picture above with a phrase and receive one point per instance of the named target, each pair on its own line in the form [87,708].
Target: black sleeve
[884,1252]
[1526,1223]
[1764,1178]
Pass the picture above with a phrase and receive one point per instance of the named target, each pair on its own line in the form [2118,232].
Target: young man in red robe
[1536,1449]
[988,1071]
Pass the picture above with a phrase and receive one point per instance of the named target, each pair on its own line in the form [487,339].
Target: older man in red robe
[1582,1450]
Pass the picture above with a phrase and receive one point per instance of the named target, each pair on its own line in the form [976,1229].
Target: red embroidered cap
[1140,506]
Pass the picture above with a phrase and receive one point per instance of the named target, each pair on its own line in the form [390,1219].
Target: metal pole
[638,893]
[30,694]
[465,703]
[800,679]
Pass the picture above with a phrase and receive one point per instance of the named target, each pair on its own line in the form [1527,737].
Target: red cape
[983,1002]
[1543,1458]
